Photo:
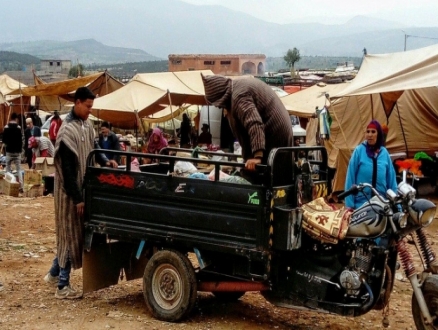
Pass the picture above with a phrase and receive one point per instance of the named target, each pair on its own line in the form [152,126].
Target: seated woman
[156,143]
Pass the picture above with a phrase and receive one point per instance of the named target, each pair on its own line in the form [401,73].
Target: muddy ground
[27,247]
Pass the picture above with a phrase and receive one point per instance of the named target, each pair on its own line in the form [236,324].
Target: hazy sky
[418,13]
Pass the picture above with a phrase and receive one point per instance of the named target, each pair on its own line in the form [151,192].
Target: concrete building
[226,64]
[55,66]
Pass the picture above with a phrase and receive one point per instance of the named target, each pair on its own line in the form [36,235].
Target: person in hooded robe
[156,142]
[75,141]
[258,119]
[370,163]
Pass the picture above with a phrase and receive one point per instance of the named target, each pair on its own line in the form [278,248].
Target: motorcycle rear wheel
[430,292]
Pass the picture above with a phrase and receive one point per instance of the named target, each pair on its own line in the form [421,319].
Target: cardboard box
[11,188]
[33,190]
[45,164]
[33,177]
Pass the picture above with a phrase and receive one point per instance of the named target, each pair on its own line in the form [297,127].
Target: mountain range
[100,31]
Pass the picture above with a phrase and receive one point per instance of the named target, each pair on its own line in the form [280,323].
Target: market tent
[7,85]
[305,102]
[55,88]
[50,103]
[148,93]
[381,73]
[165,115]
[9,103]
[398,90]
[100,83]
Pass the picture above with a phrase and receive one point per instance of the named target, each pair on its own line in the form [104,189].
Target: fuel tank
[368,221]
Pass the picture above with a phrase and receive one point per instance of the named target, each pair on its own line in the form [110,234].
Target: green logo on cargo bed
[253,199]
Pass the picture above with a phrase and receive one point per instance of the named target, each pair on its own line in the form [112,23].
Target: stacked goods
[33,183]
[10,185]
[45,164]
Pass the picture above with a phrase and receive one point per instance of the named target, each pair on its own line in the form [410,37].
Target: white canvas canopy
[7,85]
[399,90]
[148,93]
[11,103]
[305,102]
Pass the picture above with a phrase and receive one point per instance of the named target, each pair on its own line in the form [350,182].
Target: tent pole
[106,82]
[403,132]
[208,117]
[141,124]
[21,108]
[171,111]
[136,130]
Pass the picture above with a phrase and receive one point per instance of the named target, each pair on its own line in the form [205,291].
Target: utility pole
[413,36]
[406,37]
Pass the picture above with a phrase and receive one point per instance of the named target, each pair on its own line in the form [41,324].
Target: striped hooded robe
[78,136]
[257,116]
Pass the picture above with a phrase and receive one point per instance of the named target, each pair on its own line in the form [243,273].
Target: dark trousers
[28,154]
[63,273]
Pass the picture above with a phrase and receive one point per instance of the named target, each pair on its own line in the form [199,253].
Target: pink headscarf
[155,147]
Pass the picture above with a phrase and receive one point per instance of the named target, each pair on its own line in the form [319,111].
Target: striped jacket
[257,116]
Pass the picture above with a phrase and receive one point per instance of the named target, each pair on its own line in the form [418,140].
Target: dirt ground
[27,247]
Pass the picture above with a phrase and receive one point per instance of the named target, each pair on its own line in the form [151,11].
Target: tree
[76,71]
[292,56]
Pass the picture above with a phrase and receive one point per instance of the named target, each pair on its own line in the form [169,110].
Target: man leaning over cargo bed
[258,119]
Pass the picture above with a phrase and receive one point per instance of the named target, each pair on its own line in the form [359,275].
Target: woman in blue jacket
[370,163]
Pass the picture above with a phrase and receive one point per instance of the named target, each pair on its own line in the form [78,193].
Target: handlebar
[355,189]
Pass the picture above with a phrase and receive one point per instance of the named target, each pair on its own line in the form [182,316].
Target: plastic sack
[218,157]
[184,168]
[237,148]
[135,165]
[235,179]
[222,175]
[10,177]
[198,175]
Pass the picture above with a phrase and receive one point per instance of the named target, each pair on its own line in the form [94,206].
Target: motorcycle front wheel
[430,292]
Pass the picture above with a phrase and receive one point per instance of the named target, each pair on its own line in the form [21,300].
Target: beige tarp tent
[56,88]
[50,103]
[398,90]
[149,93]
[100,83]
[305,102]
[49,94]
[9,103]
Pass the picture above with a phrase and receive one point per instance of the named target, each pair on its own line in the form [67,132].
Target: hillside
[87,51]
[165,27]
[12,61]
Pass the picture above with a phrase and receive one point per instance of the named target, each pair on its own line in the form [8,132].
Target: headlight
[406,190]
[422,211]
